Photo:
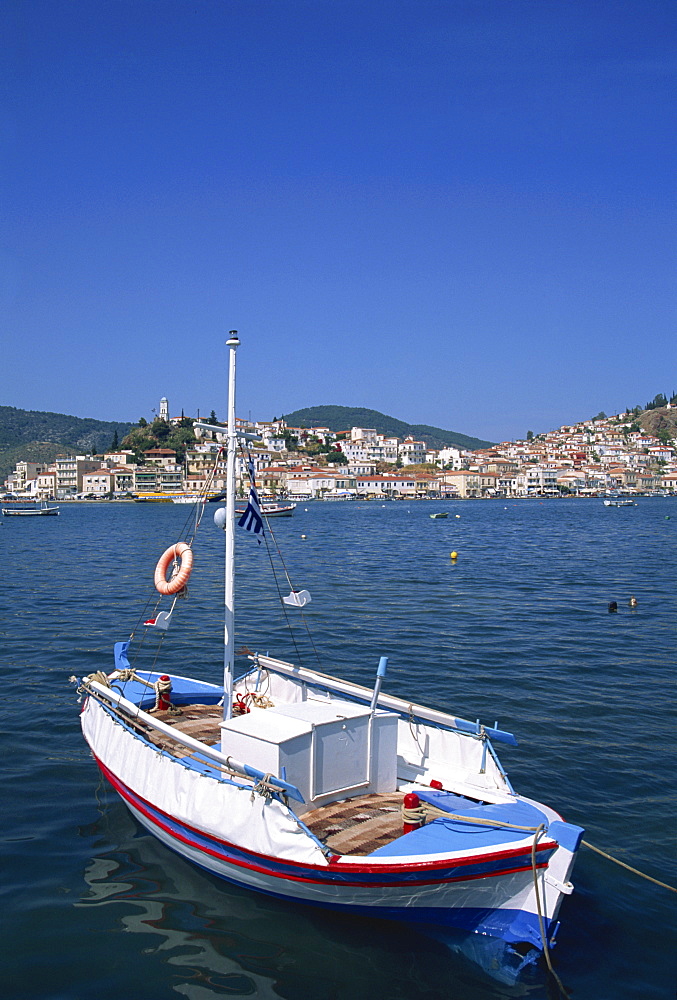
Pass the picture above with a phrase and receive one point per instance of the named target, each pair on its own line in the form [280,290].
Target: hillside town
[604,455]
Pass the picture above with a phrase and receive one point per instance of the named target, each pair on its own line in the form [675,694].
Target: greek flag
[252,520]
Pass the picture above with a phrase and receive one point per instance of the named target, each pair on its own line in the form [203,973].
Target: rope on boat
[541,923]
[264,787]
[100,676]
[423,812]
[160,687]
[629,868]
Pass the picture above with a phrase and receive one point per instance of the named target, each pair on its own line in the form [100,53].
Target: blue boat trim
[510,925]
[364,875]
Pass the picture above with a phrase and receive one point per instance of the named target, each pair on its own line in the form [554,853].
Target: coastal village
[600,456]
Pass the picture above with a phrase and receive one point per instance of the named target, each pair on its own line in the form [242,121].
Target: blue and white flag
[251,520]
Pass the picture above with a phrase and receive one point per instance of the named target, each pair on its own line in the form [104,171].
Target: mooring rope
[541,921]
[629,868]
[419,814]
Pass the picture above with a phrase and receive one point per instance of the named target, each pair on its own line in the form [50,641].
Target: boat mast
[229,625]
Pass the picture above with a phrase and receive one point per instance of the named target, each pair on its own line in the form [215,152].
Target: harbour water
[517,629]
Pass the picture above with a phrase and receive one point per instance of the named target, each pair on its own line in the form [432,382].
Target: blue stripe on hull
[381,875]
[510,925]
[213,855]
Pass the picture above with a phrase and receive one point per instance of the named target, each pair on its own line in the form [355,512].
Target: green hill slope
[341,418]
[39,436]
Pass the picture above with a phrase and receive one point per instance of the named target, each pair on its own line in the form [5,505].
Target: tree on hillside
[530,435]
[212,419]
[114,445]
[161,430]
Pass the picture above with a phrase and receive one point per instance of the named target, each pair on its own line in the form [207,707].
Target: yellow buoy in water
[454,555]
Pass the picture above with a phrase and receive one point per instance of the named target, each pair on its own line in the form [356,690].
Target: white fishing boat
[273,509]
[319,790]
[620,503]
[44,510]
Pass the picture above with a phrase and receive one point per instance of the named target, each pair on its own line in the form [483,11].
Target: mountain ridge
[41,435]
[341,418]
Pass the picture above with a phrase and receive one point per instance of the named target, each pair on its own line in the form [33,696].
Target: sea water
[515,630]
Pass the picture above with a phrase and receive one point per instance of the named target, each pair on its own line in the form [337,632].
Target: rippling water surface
[516,630]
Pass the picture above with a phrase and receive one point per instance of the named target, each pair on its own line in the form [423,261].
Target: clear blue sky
[458,212]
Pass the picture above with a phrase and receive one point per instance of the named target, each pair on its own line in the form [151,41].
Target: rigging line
[154,599]
[310,637]
[277,548]
[291,587]
[201,502]
[245,455]
[284,609]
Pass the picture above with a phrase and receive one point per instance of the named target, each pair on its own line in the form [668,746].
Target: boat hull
[489,891]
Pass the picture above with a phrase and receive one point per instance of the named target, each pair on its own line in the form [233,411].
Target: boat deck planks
[199,721]
[358,826]
[352,826]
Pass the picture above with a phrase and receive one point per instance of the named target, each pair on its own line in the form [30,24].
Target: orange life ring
[179,578]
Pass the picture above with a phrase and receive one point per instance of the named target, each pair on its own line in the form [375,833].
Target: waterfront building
[45,484]
[462,482]
[69,473]
[99,483]
[386,485]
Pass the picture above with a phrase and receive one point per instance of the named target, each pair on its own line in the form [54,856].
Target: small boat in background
[44,510]
[153,498]
[272,510]
[435,517]
[278,510]
[620,503]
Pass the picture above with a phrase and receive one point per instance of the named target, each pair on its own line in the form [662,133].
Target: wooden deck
[199,721]
[354,826]
[358,826]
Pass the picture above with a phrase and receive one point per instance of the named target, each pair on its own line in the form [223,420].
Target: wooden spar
[135,713]
[384,700]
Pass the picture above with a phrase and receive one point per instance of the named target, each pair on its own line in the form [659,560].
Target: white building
[450,457]
[412,452]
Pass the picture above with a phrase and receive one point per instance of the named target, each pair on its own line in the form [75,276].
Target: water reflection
[217,940]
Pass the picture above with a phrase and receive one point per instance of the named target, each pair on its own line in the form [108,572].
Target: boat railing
[136,714]
[384,700]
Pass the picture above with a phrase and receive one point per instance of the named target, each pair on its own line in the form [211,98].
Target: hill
[39,436]
[659,421]
[341,418]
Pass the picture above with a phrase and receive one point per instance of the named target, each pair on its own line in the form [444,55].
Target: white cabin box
[329,750]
